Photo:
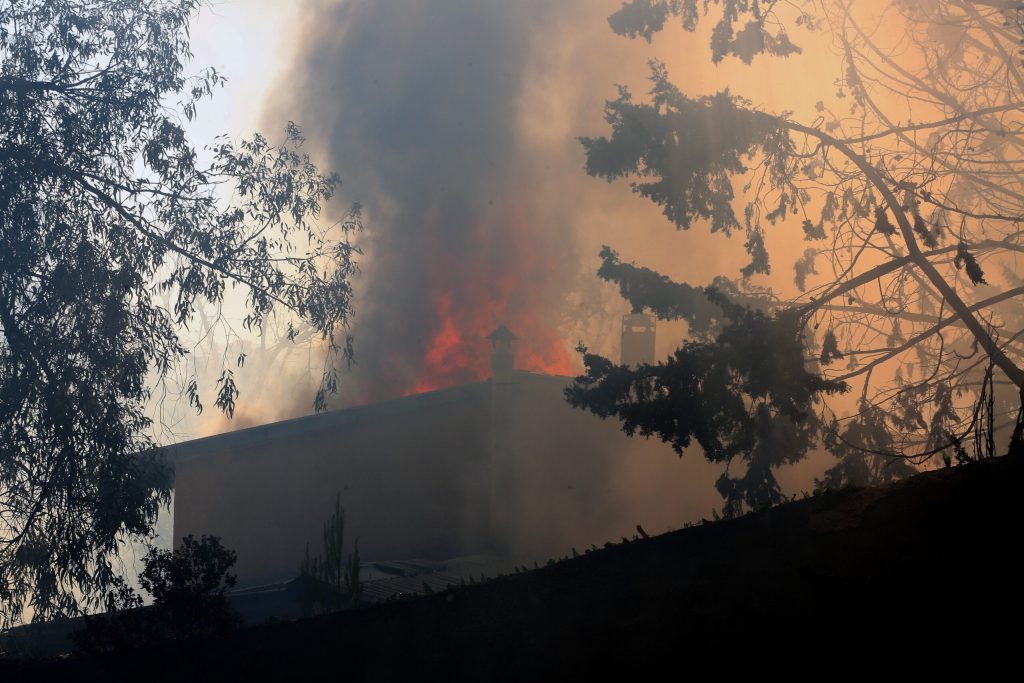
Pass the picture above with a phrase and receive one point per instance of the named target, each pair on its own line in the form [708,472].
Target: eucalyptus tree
[106,210]
[904,188]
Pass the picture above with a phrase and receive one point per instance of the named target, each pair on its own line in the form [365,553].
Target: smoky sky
[455,124]
[417,105]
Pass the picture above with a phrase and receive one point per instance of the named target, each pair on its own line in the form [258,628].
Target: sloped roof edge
[197,448]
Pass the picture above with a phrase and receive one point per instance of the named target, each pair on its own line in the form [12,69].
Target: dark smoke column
[416,101]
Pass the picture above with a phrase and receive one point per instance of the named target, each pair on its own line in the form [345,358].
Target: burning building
[502,466]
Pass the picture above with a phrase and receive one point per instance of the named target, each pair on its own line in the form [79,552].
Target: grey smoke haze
[455,124]
[417,104]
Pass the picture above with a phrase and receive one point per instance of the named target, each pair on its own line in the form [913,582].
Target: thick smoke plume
[419,105]
[455,124]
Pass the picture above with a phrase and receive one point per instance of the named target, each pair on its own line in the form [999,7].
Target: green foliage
[645,289]
[882,223]
[739,387]
[330,582]
[686,150]
[105,207]
[861,447]
[829,349]
[687,147]
[647,17]
[188,587]
[803,267]
[965,259]
[704,392]
[929,237]
[813,231]
[747,386]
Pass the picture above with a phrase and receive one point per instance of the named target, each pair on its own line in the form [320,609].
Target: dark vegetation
[920,572]
[329,581]
[901,346]
[114,236]
[188,586]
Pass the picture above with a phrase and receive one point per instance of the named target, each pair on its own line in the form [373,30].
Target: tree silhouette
[906,189]
[104,204]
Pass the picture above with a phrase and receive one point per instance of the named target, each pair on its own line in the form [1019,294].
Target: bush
[189,589]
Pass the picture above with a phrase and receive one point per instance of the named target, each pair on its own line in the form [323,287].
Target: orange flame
[506,286]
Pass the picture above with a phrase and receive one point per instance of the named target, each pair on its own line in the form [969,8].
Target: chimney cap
[502,333]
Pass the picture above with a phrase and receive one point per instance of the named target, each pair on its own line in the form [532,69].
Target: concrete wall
[508,467]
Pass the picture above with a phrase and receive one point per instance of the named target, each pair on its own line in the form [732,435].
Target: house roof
[335,419]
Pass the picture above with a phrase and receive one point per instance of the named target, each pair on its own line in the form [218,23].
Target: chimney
[637,339]
[501,449]
[503,358]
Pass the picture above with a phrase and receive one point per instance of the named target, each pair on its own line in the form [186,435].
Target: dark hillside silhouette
[926,566]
